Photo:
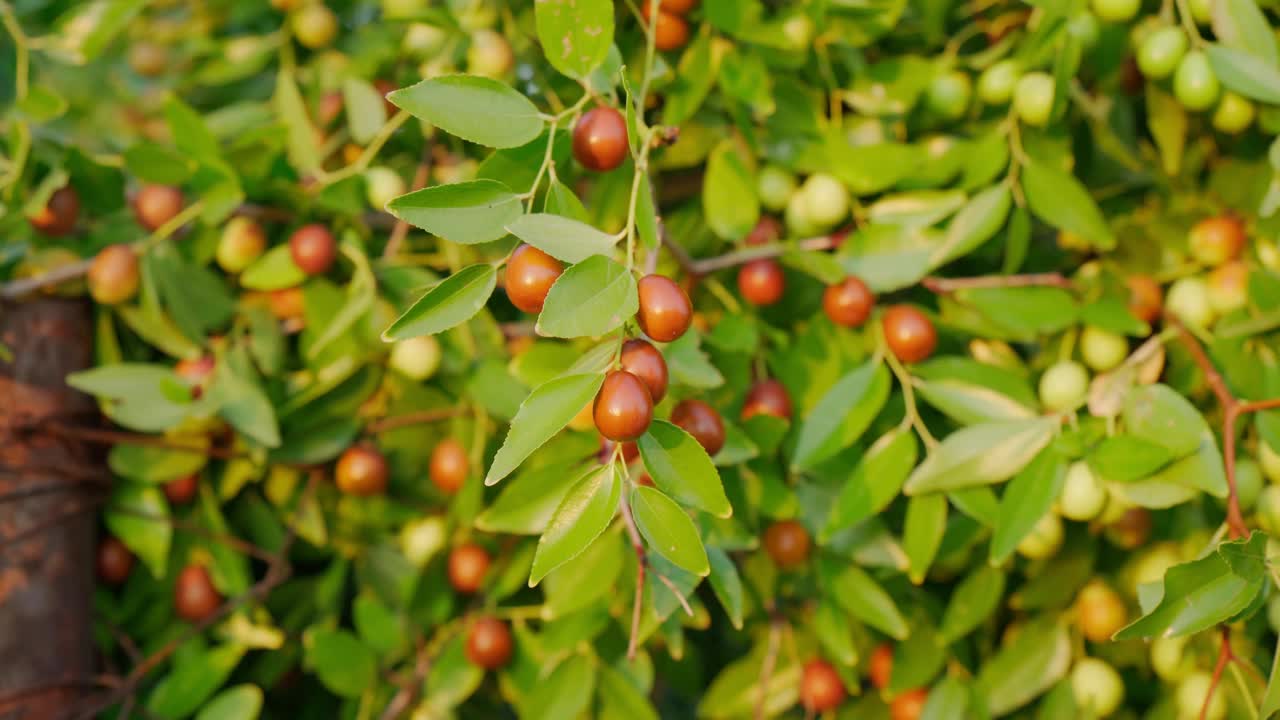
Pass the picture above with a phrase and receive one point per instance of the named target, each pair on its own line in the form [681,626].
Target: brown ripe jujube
[623,407]
[194,596]
[702,422]
[848,302]
[908,705]
[787,542]
[670,31]
[821,688]
[113,275]
[114,561]
[679,7]
[183,490]
[761,282]
[642,359]
[600,139]
[313,248]
[767,397]
[529,277]
[1145,297]
[58,216]
[665,310]
[155,205]
[468,564]
[449,466]
[880,669]
[362,470]
[909,333]
[488,643]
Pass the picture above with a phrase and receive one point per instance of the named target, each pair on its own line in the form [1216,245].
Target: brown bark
[46,526]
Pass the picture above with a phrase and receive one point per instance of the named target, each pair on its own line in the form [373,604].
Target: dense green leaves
[591,299]
[981,455]
[547,409]
[584,513]
[843,414]
[668,529]
[469,212]
[451,302]
[474,108]
[679,466]
[1060,200]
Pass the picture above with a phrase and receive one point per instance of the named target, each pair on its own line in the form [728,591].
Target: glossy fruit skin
[821,688]
[1188,300]
[600,139]
[114,562]
[665,311]
[1101,349]
[314,25]
[761,282]
[313,248]
[361,470]
[1044,540]
[1192,693]
[113,276]
[416,358]
[623,408]
[1234,114]
[949,94]
[155,205]
[679,7]
[242,241]
[775,186]
[1116,11]
[1161,51]
[880,668]
[468,565]
[908,705]
[1194,83]
[996,83]
[1033,98]
[449,465]
[530,275]
[1145,297]
[58,216]
[849,302]
[489,54]
[909,333]
[702,422]
[1084,496]
[183,490]
[1064,386]
[488,643]
[1097,687]
[1216,240]
[787,543]
[194,596]
[671,32]
[767,397]
[642,359]
[1229,287]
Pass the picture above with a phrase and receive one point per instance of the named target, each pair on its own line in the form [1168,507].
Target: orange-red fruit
[665,311]
[194,596]
[313,248]
[488,643]
[787,542]
[679,7]
[113,275]
[329,109]
[848,303]
[767,229]
[155,205]
[702,422]
[1145,297]
[908,705]
[182,490]
[642,359]
[449,466]
[624,407]
[600,139]
[821,688]
[195,371]
[58,216]
[287,303]
[881,666]
[114,561]
[761,282]
[767,397]
[1218,239]
[530,275]
[361,470]
[670,30]
[910,333]
[468,564]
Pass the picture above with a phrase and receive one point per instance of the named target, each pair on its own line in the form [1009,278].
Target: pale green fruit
[1188,300]
[1270,461]
[421,539]
[1064,386]
[1033,98]
[382,185]
[1268,509]
[1044,540]
[1170,659]
[1101,349]
[1083,495]
[775,186]
[1097,687]
[416,358]
[1191,695]
[826,200]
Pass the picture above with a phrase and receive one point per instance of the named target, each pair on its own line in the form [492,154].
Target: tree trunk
[46,518]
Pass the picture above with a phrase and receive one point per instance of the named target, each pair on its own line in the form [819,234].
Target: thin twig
[401,230]
[408,692]
[414,418]
[948,285]
[1224,656]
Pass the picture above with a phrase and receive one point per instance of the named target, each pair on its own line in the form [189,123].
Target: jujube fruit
[1161,51]
[948,94]
[665,311]
[767,229]
[908,705]
[529,277]
[679,7]
[58,216]
[313,248]
[488,643]
[996,83]
[416,358]
[821,688]
[825,200]
[1131,529]
[183,490]
[1229,287]
[787,542]
[449,466]
[1064,386]
[314,25]
[242,241]
[1084,496]
[624,407]
[1101,349]
[155,205]
[148,59]
[1234,113]
[600,139]
[489,54]
[767,397]
[382,185]
[1194,83]
[880,668]
[361,470]
[1097,687]
[1145,297]
[909,333]
[1100,613]
[762,281]
[702,422]
[1044,540]
[1194,701]
[670,31]
[642,359]
[113,275]
[1116,11]
[287,303]
[1033,98]
[114,561]
[1216,240]
[848,302]
[468,565]
[775,186]
[1188,300]
[194,596]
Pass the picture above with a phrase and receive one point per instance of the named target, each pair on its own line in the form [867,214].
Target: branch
[1225,656]
[409,692]
[949,285]
[413,418]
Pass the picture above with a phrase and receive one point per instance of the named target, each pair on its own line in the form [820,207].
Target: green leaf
[1157,413]
[153,465]
[689,365]
[1027,312]
[971,404]
[948,700]
[365,111]
[922,531]
[243,404]
[346,666]
[693,79]
[647,216]
[681,468]
[729,200]
[583,514]
[88,28]
[230,567]
[1244,73]
[1060,200]
[240,702]
[889,257]
[620,699]
[547,409]
[450,303]
[453,678]
[139,517]
[1027,498]
[474,108]
[668,529]
[135,395]
[861,596]
[835,632]
[575,34]
[300,135]
[1026,668]
[972,602]
[565,693]
[275,270]
[527,503]
[1167,122]
[1125,458]
[360,296]
[468,212]
[1112,314]
[380,627]
[917,208]
[1241,24]
[875,481]
[726,584]
[974,225]
[158,164]
[590,299]
[194,678]
[842,415]
[736,691]
[561,237]
[981,455]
